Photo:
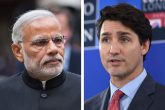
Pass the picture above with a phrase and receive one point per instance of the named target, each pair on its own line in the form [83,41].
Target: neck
[120,81]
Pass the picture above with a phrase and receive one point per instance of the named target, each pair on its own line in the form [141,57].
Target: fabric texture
[150,96]
[21,92]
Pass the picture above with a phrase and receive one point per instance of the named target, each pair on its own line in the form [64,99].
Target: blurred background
[68,12]
[96,78]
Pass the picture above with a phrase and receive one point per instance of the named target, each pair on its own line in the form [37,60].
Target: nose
[52,49]
[114,48]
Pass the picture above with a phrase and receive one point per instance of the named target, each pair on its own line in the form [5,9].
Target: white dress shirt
[129,90]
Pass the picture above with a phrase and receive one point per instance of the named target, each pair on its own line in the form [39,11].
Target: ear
[145,47]
[17,51]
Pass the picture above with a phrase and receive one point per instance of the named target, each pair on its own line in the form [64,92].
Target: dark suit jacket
[150,96]
[21,92]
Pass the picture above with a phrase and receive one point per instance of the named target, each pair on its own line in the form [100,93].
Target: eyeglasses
[42,41]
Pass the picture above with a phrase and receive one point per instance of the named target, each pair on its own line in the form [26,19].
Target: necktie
[115,101]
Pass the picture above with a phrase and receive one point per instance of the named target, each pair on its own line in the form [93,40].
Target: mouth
[53,62]
[115,62]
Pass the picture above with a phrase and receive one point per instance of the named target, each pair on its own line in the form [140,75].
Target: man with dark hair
[124,35]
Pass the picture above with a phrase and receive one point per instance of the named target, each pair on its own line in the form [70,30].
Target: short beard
[41,72]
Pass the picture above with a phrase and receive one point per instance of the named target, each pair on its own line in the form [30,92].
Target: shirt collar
[49,84]
[133,84]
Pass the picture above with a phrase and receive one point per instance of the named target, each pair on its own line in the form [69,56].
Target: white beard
[40,71]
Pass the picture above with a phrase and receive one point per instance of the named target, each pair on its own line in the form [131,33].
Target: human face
[120,50]
[46,62]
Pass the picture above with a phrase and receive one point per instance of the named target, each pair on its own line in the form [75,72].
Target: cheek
[27,51]
[61,51]
[37,56]
[134,54]
[103,55]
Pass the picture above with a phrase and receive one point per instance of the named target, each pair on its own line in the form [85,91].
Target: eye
[105,40]
[124,39]
[40,42]
[58,40]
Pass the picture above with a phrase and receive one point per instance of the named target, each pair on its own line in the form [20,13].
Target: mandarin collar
[37,84]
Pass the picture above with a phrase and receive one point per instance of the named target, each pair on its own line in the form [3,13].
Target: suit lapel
[142,99]
[105,100]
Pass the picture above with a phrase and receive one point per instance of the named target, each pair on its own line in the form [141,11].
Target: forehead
[45,22]
[113,27]
[41,26]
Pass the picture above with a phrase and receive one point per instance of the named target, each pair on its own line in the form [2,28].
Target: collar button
[44,95]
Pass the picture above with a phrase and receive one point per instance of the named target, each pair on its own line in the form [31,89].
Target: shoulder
[10,85]
[72,86]
[73,76]
[154,90]
[158,97]
[160,89]
[150,84]
[97,98]
[73,80]
[10,80]
[96,101]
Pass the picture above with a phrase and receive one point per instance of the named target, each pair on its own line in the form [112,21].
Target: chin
[119,74]
[116,73]
[52,70]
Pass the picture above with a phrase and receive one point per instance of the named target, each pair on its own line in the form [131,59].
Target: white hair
[25,19]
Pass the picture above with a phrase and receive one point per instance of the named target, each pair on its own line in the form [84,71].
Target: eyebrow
[123,33]
[39,37]
[105,33]
[119,33]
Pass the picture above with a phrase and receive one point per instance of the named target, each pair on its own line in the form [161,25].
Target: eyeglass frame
[47,40]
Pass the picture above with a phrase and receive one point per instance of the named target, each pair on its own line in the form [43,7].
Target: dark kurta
[21,92]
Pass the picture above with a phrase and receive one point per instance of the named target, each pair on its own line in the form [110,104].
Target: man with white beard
[44,85]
